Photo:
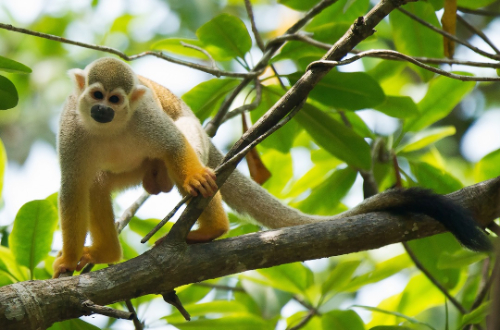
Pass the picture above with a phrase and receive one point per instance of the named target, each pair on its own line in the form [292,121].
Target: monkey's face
[104,110]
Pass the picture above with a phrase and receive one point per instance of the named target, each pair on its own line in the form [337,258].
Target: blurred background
[29,131]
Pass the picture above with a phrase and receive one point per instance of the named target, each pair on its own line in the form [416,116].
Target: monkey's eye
[114,99]
[98,95]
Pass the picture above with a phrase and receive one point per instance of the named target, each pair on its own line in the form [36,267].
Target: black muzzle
[102,114]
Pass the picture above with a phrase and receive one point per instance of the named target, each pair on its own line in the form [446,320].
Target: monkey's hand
[202,181]
[63,265]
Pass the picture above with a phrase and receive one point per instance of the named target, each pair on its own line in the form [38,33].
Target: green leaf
[219,307]
[8,94]
[31,237]
[226,35]
[459,259]
[280,163]
[407,318]
[323,200]
[429,250]
[382,271]
[340,276]
[282,139]
[9,265]
[206,97]
[293,278]
[3,165]
[398,107]
[175,46]
[335,137]
[268,300]
[8,65]
[442,96]
[342,320]
[192,293]
[300,5]
[438,180]
[426,137]
[478,315]
[330,32]
[342,11]
[242,321]
[487,167]
[295,50]
[412,38]
[74,324]
[346,90]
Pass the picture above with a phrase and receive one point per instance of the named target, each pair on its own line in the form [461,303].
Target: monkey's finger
[191,191]
[209,187]
[202,189]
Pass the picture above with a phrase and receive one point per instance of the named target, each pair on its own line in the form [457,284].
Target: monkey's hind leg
[213,222]
[105,246]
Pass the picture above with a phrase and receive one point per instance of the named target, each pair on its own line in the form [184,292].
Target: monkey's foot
[92,255]
[203,182]
[203,236]
[63,265]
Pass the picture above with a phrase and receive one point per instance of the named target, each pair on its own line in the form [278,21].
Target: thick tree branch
[38,304]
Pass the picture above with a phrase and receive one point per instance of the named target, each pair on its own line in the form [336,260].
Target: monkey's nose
[102,114]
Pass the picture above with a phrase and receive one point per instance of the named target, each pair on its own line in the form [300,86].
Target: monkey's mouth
[102,114]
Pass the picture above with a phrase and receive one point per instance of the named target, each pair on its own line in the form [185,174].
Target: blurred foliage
[431,113]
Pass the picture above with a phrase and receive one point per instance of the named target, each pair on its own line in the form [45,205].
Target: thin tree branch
[404,57]
[431,278]
[137,323]
[246,107]
[210,70]
[89,306]
[207,54]
[481,12]
[129,213]
[450,36]
[478,32]
[305,38]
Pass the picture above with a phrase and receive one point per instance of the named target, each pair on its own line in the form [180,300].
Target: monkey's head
[108,91]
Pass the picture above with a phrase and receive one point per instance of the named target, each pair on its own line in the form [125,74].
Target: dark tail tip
[458,220]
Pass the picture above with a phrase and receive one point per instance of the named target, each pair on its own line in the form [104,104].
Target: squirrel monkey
[119,129]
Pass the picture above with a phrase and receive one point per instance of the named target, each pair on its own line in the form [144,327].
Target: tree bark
[38,304]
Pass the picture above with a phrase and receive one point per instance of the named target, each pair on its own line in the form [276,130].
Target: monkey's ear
[137,93]
[78,77]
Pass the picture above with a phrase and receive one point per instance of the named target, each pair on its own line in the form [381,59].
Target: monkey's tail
[246,197]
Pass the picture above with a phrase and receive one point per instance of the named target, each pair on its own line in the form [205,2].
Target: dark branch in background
[478,32]
[450,36]
[137,323]
[210,70]
[410,59]
[481,12]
